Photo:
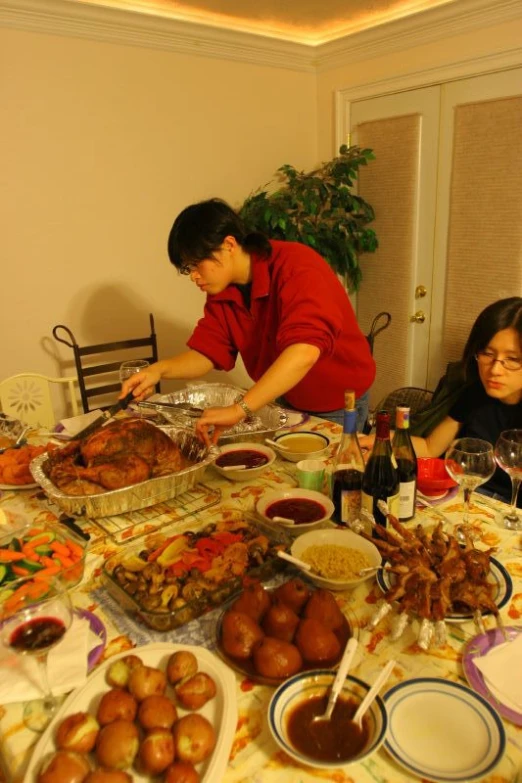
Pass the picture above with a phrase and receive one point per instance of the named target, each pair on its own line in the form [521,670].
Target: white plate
[19,486]
[442,731]
[498,576]
[221,711]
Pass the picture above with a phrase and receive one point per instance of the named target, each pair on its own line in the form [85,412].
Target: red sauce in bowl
[302,510]
[248,457]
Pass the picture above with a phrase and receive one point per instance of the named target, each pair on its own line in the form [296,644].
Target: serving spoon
[277,445]
[294,560]
[342,671]
[284,521]
[372,694]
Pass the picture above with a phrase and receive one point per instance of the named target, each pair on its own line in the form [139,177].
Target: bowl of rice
[336,557]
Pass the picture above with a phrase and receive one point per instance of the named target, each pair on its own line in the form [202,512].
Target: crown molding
[99,23]
[425,27]
[113,25]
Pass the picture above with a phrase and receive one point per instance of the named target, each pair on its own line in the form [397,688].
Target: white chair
[29,398]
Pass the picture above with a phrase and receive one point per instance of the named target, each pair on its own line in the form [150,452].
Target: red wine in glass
[37,634]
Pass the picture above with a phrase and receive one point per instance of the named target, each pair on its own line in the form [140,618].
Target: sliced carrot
[47,572]
[60,559]
[19,571]
[59,548]
[8,556]
[47,561]
[38,540]
[74,548]
[35,531]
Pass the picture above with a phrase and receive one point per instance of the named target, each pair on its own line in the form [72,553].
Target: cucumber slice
[15,545]
[3,573]
[30,565]
[43,549]
[49,536]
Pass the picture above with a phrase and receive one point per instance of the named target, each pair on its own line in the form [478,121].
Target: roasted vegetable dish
[191,572]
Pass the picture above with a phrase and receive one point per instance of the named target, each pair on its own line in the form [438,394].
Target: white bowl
[315,683]
[247,474]
[292,441]
[296,493]
[337,537]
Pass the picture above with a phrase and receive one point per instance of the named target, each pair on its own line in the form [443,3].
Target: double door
[446,186]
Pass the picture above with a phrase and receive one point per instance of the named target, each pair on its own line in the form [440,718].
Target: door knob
[418,318]
[420,291]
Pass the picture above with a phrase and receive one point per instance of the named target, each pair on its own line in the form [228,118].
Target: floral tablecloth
[255,757]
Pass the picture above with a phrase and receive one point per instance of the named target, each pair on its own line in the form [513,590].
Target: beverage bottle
[381,477]
[348,468]
[406,460]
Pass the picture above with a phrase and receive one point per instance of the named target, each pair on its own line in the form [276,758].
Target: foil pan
[146,493]
[263,425]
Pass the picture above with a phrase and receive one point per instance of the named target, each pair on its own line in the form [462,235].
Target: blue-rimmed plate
[442,731]
[498,576]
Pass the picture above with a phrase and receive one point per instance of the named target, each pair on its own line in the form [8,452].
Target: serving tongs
[173,407]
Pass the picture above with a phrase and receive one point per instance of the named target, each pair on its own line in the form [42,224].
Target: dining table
[254,754]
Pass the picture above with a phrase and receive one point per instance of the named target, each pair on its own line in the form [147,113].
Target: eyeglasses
[487,358]
[187,269]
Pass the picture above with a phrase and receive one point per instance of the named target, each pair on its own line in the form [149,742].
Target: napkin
[76,424]
[500,668]
[20,675]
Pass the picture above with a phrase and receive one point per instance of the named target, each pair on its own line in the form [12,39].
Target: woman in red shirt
[279,305]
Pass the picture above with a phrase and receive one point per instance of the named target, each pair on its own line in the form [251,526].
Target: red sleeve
[211,337]
[308,313]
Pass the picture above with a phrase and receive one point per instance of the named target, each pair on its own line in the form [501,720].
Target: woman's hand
[220,419]
[141,383]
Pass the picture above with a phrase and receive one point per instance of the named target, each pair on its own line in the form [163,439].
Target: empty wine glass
[34,616]
[470,462]
[129,368]
[508,453]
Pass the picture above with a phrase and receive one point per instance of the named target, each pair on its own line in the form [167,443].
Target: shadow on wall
[118,313]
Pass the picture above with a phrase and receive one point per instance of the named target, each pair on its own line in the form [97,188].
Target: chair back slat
[92,393]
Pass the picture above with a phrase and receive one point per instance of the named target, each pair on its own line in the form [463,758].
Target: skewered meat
[118,455]
[434,576]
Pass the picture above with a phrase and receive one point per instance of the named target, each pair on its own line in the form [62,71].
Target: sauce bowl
[301,445]
[304,686]
[309,509]
[248,454]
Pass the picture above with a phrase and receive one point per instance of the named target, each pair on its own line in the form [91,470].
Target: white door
[402,129]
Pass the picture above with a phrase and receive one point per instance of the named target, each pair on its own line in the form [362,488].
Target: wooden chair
[98,365]
[29,398]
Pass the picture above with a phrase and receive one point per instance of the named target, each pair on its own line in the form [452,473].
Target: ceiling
[310,22]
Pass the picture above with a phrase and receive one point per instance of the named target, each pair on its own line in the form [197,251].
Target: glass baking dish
[167,590]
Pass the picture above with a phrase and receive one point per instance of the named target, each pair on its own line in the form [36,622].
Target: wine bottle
[406,459]
[381,477]
[348,468]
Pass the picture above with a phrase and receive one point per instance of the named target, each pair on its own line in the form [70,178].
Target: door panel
[400,184]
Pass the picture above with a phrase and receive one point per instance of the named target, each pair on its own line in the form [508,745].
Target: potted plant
[320,209]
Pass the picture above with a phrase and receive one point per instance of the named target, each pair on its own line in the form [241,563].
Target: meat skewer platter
[432,578]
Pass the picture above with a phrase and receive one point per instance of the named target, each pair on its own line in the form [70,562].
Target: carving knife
[104,417]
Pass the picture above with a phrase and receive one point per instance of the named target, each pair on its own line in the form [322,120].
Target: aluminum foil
[146,493]
[263,425]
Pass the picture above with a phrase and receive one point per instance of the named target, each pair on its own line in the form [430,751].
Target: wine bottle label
[350,505]
[392,501]
[407,499]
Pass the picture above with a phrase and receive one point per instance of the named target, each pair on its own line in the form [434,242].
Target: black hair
[199,230]
[503,314]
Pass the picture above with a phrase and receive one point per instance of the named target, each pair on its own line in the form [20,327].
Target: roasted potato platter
[271,635]
[189,573]
[165,712]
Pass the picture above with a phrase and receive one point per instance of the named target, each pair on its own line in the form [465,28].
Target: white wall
[102,145]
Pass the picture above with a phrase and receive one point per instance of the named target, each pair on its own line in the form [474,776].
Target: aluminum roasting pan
[264,424]
[146,493]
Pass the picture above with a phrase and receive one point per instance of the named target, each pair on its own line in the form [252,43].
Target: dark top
[484,417]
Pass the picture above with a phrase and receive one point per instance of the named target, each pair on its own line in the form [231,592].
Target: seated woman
[491,400]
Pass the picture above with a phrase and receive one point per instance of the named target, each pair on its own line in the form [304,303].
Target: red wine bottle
[37,634]
[348,468]
[381,477]
[406,459]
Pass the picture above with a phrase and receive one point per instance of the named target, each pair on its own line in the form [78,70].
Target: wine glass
[129,368]
[508,453]
[34,616]
[470,462]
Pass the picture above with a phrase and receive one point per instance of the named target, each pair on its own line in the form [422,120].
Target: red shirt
[296,298]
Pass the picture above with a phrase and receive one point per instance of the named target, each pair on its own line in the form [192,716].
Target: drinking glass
[129,368]
[508,453]
[470,462]
[33,618]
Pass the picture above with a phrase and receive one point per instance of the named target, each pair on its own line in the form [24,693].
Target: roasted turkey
[118,455]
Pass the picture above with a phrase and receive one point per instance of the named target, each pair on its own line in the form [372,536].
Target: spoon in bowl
[294,560]
[342,671]
[284,521]
[277,445]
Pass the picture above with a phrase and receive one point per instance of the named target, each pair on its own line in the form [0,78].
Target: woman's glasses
[487,358]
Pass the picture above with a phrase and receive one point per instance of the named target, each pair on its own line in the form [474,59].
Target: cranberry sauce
[248,457]
[302,510]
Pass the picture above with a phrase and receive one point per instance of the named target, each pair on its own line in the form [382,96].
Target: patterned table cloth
[255,757]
